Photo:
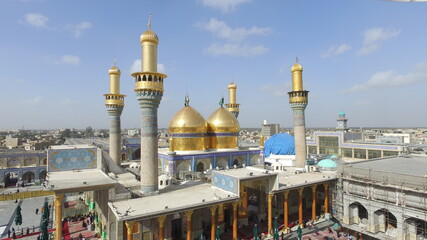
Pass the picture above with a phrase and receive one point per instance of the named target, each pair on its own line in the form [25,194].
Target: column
[313,203]
[326,202]
[235,204]
[270,213]
[243,209]
[129,228]
[161,220]
[213,221]
[285,209]
[58,215]
[141,230]
[220,214]
[300,219]
[189,224]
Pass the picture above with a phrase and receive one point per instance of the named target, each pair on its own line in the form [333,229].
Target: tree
[18,216]
[88,132]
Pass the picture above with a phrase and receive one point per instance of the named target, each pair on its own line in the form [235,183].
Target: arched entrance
[136,154]
[384,220]
[123,156]
[42,176]
[183,170]
[11,179]
[415,228]
[28,177]
[236,162]
[358,213]
[222,163]
[200,167]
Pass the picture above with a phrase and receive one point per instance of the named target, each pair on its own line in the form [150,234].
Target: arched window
[144,78]
[161,182]
[155,78]
[167,182]
[150,78]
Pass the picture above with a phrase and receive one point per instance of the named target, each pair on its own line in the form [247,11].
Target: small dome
[223,120]
[114,70]
[341,113]
[280,144]
[327,163]
[187,120]
[232,85]
[149,36]
[296,67]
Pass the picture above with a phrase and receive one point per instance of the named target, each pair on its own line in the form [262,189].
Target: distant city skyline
[364,57]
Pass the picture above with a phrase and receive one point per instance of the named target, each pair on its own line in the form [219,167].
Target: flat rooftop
[415,165]
[175,198]
[66,147]
[247,173]
[289,180]
[79,180]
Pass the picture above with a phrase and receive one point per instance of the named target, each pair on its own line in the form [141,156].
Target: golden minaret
[298,99]
[149,92]
[114,101]
[232,106]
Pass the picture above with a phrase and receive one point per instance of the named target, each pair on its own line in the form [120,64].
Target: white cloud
[222,30]
[77,29]
[372,38]
[235,49]
[68,59]
[224,5]
[36,20]
[34,101]
[336,50]
[392,79]
[277,90]
[136,67]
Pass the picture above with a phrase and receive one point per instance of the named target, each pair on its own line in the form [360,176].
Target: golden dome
[232,85]
[296,67]
[188,120]
[223,120]
[114,70]
[149,36]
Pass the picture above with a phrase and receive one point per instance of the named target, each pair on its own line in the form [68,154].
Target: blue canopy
[280,144]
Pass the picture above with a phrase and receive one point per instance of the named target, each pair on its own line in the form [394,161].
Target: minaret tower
[232,106]
[114,101]
[149,92]
[342,122]
[298,99]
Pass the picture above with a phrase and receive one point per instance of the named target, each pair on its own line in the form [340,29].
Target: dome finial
[115,61]
[187,99]
[149,21]
[296,59]
[221,102]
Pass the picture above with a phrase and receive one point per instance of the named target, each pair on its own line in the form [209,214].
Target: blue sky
[365,57]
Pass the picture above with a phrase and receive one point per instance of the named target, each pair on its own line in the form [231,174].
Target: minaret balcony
[149,80]
[298,96]
[114,99]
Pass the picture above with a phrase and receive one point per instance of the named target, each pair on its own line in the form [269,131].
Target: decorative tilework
[72,159]
[225,182]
